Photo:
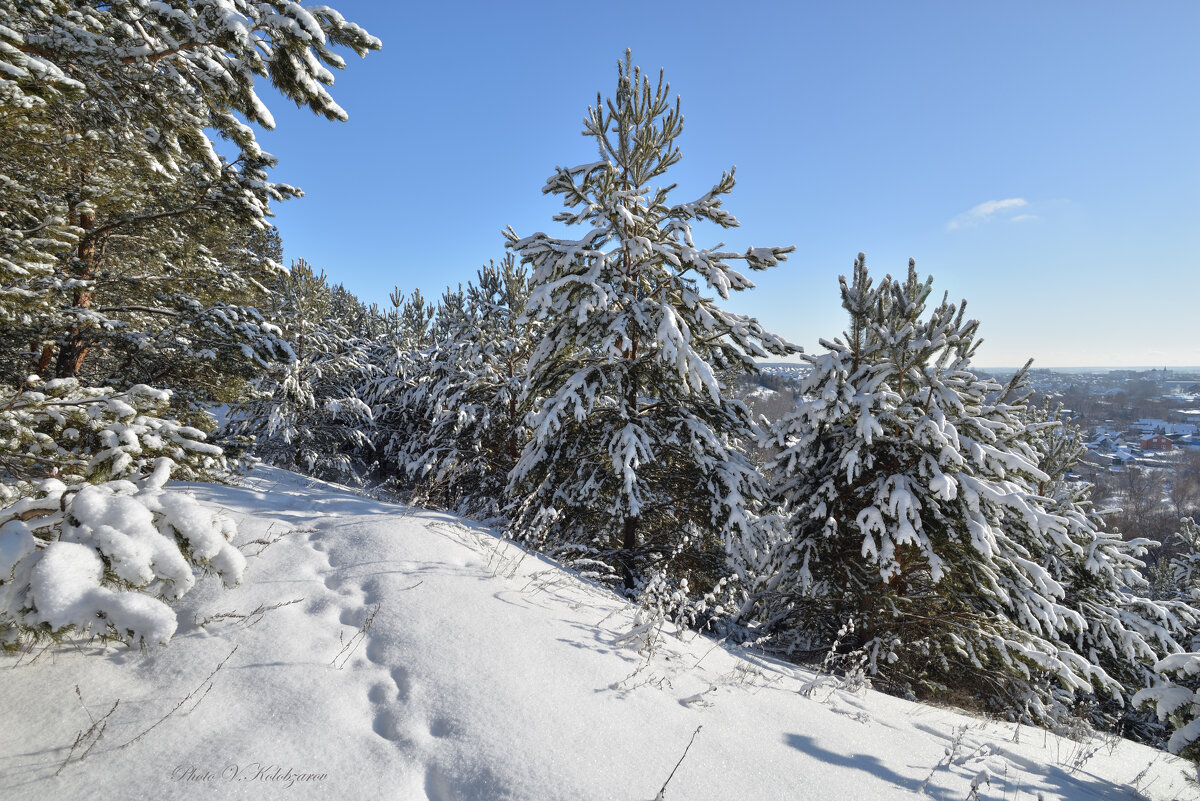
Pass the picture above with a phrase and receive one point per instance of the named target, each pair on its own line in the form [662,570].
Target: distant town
[1141,429]
[1129,416]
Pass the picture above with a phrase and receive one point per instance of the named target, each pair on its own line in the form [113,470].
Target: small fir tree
[305,413]
[473,397]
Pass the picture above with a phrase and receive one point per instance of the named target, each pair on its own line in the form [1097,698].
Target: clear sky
[1040,159]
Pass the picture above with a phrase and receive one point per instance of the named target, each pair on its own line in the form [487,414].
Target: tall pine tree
[633,452]
[132,252]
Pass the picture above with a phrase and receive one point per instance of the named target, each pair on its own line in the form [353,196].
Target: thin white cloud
[1023,217]
[985,211]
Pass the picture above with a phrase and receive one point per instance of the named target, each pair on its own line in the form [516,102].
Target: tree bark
[44,360]
[75,349]
[629,541]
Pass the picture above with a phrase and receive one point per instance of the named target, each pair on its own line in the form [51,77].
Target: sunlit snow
[374,651]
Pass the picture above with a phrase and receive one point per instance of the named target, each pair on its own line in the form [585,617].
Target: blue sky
[1041,160]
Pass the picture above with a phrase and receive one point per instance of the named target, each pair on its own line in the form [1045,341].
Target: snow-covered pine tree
[122,229]
[1174,693]
[364,322]
[1176,574]
[633,453]
[1124,630]
[474,395]
[396,391]
[305,414]
[913,532]
[1176,701]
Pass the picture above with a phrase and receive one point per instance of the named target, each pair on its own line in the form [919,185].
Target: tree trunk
[629,537]
[629,541]
[43,362]
[75,349]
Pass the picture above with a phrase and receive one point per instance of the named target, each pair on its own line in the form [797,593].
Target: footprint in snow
[401,681]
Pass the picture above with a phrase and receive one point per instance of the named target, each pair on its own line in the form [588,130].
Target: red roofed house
[1157,443]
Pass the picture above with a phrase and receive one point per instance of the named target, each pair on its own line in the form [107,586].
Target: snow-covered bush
[62,429]
[103,559]
[90,542]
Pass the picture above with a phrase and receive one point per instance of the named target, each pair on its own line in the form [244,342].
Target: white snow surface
[486,673]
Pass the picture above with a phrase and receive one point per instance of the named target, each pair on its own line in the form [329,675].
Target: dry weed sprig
[249,618]
[351,645]
[203,689]
[87,739]
[662,793]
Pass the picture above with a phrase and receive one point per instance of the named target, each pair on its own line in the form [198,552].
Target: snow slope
[485,673]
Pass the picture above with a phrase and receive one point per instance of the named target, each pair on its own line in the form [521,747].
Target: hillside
[406,654]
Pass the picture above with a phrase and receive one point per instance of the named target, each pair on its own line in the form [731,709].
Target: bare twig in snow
[351,645]
[270,539]
[203,689]
[86,740]
[248,618]
[662,793]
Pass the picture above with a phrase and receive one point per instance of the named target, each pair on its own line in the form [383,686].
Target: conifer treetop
[639,263]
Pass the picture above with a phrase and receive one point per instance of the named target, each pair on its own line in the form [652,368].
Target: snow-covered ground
[762,393]
[413,655]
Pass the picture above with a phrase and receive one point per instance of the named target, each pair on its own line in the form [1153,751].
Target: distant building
[1157,443]
[1148,426]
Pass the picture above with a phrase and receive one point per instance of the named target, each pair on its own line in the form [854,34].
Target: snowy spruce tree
[473,396]
[305,414]
[633,453]
[914,535]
